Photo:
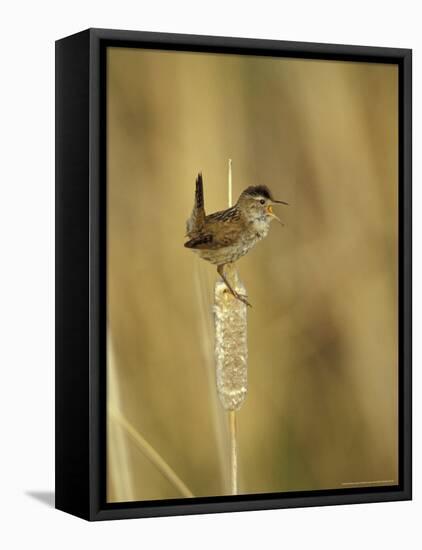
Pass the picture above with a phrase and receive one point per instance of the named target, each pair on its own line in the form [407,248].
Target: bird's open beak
[271,213]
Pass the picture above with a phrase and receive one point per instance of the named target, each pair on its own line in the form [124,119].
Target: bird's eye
[262,201]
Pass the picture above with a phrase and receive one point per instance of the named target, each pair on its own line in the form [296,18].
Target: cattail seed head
[231,348]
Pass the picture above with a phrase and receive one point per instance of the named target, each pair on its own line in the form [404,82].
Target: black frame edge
[246,505]
[97,283]
[72,472]
[257,45]
[405,177]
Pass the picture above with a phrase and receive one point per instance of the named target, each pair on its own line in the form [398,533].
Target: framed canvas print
[233,276]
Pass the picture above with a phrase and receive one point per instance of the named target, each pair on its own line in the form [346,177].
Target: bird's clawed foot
[238,296]
[242,298]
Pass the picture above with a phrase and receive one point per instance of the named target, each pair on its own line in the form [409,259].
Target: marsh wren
[224,237]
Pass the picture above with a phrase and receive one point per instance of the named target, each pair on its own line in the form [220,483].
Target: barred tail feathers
[199,192]
[197,219]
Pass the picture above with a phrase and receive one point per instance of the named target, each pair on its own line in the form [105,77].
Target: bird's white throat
[261,225]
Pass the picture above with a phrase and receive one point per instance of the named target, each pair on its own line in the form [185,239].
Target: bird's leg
[238,296]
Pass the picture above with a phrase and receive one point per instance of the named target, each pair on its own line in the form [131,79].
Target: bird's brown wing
[201,241]
[221,229]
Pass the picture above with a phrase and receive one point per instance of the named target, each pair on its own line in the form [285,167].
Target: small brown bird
[223,237]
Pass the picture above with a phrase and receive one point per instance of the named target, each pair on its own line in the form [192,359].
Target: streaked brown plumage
[224,237]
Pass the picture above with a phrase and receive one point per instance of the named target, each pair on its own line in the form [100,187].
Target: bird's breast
[254,232]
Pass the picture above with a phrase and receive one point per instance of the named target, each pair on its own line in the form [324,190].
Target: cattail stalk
[231,350]
[230,185]
[233,451]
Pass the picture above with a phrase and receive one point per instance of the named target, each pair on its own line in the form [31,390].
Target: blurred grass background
[322,403]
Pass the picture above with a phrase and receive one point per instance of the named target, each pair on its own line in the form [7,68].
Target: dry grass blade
[202,283]
[149,452]
[120,478]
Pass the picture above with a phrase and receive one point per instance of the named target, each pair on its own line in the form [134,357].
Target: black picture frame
[81,273]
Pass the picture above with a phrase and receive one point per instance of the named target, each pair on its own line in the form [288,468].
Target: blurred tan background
[321,410]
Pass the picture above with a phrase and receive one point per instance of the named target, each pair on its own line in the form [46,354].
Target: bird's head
[257,202]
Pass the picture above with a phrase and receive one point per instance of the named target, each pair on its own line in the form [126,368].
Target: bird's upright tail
[197,219]
[199,193]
